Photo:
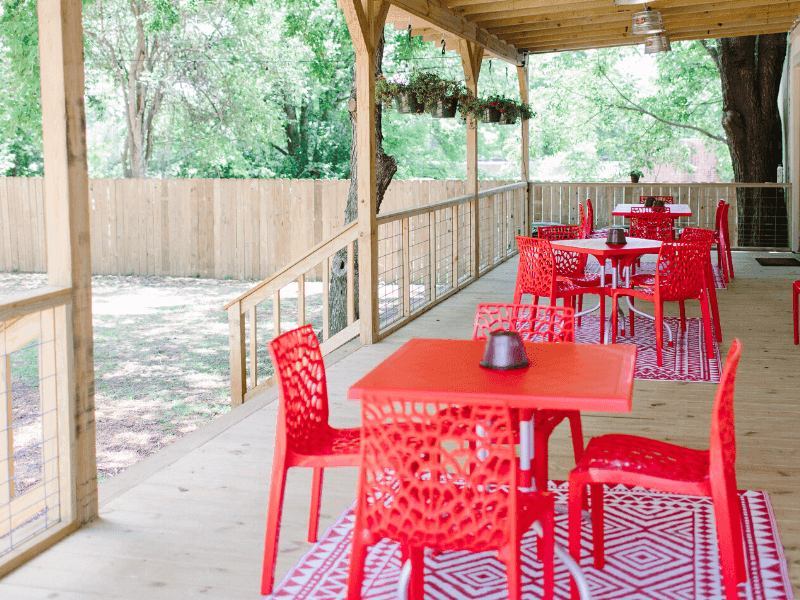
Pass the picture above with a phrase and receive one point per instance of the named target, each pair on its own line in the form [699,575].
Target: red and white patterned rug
[683,362]
[649,268]
[657,546]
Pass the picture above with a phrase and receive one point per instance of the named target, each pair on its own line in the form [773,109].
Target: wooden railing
[558,202]
[37,491]
[425,254]
[428,253]
[248,310]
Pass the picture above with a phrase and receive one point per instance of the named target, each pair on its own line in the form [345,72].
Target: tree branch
[639,109]
[636,108]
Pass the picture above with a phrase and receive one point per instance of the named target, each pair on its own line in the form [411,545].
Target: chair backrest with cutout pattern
[536,274]
[567,263]
[298,363]
[679,273]
[534,323]
[436,476]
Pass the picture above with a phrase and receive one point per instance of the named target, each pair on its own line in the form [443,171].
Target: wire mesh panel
[464,236]
[420,261]
[32,469]
[443,223]
[391,281]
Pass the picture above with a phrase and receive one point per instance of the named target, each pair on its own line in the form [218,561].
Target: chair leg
[602,317]
[316,495]
[631,317]
[712,299]
[682,306]
[580,308]
[277,488]
[598,519]
[514,571]
[540,460]
[417,587]
[659,310]
[729,536]
[355,578]
[577,490]
[729,255]
[548,527]
[576,429]
[707,325]
[614,318]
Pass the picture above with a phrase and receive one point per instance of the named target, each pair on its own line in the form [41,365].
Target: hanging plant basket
[507,119]
[491,115]
[406,103]
[445,108]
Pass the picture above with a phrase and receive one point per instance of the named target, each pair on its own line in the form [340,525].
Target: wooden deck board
[189,521]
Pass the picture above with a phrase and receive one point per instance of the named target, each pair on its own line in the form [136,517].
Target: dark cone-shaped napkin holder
[504,350]
[648,202]
[658,204]
[616,237]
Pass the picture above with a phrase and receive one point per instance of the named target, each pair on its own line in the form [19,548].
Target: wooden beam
[445,20]
[471,60]
[66,189]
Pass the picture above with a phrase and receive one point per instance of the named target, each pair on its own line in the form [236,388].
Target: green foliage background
[259,88]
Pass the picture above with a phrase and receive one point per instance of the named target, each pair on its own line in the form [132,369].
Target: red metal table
[675,211]
[592,377]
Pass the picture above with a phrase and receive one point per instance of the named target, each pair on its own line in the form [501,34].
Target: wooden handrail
[290,273]
[25,303]
[271,287]
[406,213]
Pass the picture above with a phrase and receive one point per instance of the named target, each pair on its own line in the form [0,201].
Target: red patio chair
[592,232]
[536,324]
[445,485]
[571,266]
[666,199]
[536,275]
[638,461]
[723,240]
[679,276]
[651,223]
[704,237]
[303,437]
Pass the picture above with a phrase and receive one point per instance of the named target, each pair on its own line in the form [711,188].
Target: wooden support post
[471,58]
[522,75]
[365,20]
[253,347]
[236,344]
[66,189]
[301,300]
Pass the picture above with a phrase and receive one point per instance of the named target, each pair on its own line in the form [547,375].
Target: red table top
[673,210]
[598,247]
[593,377]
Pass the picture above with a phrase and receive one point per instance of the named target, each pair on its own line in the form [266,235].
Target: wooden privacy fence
[219,228]
[425,254]
[558,202]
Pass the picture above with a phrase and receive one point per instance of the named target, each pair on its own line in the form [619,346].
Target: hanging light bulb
[647,22]
[657,43]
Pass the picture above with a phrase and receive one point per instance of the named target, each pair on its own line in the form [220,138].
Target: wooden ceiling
[508,29]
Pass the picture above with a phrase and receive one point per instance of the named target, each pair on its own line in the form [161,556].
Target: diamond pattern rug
[658,546]
[649,268]
[683,362]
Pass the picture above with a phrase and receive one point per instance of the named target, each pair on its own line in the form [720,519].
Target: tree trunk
[385,170]
[750,71]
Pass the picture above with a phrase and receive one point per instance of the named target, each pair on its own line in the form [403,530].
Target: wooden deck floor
[189,521]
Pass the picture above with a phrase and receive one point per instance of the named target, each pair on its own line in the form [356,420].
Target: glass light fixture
[647,22]
[657,43]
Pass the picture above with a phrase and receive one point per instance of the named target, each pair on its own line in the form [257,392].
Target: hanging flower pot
[491,114]
[507,118]
[446,108]
[406,103]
